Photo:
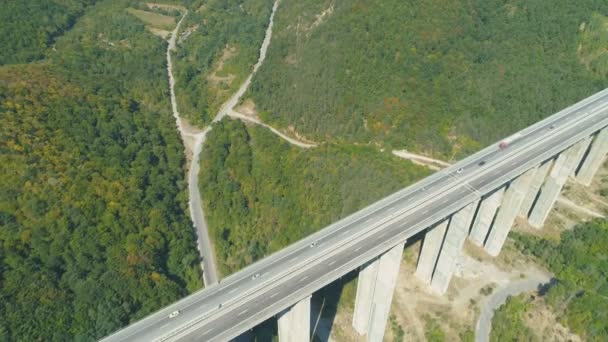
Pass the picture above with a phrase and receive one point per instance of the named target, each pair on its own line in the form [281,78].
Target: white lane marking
[274,295]
[426,211]
[243,312]
[331,262]
[358,248]
[233,290]
[369,220]
[345,232]
[304,278]
[208,331]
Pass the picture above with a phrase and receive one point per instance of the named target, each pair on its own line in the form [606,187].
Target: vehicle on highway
[459,170]
[482,163]
[174,314]
[314,244]
[506,142]
[255,276]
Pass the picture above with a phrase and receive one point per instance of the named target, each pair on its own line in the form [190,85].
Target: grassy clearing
[155,20]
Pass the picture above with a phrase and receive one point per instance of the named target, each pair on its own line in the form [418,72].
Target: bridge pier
[564,166]
[431,246]
[485,216]
[375,287]
[534,187]
[294,323]
[454,239]
[511,203]
[594,158]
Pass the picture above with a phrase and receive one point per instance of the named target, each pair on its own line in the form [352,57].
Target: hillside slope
[435,76]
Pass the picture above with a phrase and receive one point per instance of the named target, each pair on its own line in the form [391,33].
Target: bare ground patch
[214,77]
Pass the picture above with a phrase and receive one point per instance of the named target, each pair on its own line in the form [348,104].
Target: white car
[255,276]
[174,314]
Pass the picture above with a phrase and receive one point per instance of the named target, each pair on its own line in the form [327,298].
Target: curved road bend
[498,298]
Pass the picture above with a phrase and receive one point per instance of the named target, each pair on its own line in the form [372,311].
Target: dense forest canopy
[94,231]
[436,76]
[29,27]
[261,194]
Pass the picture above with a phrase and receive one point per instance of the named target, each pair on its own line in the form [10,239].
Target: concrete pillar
[512,199]
[431,246]
[375,294]
[363,301]
[485,216]
[452,244]
[594,158]
[534,187]
[564,165]
[294,323]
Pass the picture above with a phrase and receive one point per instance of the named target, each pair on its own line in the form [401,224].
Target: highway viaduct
[478,198]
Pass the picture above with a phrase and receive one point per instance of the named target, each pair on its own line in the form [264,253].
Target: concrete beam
[534,187]
[485,215]
[594,159]
[564,166]
[431,246]
[452,244]
[512,199]
[294,323]
[375,289]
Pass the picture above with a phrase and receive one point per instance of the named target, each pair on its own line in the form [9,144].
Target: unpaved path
[292,141]
[431,163]
[498,298]
[568,203]
[196,210]
[227,109]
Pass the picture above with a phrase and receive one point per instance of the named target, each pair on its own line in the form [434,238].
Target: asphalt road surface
[239,302]
[498,298]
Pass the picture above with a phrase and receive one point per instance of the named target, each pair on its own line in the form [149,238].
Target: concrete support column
[452,244]
[431,246]
[534,187]
[485,216]
[375,289]
[594,158]
[294,323]
[564,165]
[512,199]
[366,284]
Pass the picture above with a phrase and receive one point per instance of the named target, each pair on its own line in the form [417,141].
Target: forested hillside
[442,77]
[93,225]
[29,27]
[261,194]
[580,264]
[219,45]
